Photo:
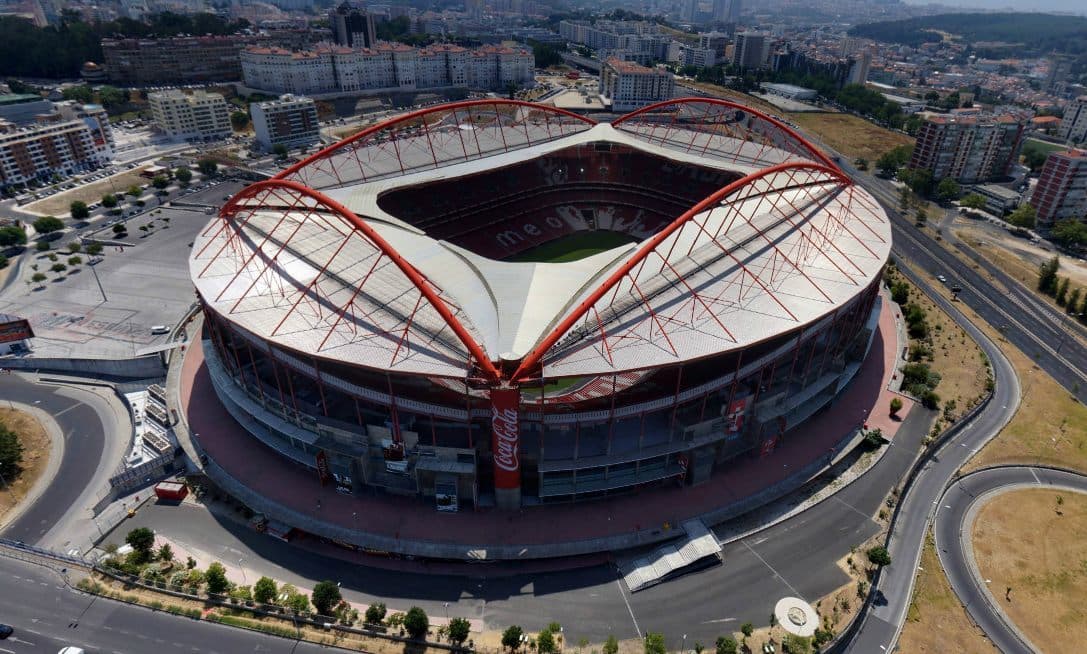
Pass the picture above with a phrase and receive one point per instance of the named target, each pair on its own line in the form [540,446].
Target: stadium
[498,303]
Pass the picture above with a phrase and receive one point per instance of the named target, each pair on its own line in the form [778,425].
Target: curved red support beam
[533,358]
[405,267]
[734,105]
[385,124]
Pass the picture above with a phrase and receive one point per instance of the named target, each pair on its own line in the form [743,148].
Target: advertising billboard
[506,437]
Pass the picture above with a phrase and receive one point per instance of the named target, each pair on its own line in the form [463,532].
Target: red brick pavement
[280,480]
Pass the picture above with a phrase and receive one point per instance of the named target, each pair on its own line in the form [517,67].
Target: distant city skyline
[1063,6]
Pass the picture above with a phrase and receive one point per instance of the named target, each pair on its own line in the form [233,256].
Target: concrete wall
[138,368]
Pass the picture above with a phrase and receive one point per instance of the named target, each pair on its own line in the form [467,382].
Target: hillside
[1033,33]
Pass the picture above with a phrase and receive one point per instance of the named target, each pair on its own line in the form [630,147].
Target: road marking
[849,506]
[9,651]
[63,411]
[721,620]
[637,629]
[1036,480]
[776,573]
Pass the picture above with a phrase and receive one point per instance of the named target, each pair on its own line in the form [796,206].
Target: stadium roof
[329,273]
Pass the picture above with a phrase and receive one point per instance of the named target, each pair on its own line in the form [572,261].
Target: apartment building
[1061,191]
[1073,127]
[71,140]
[751,50]
[627,86]
[290,121]
[180,60]
[352,26]
[968,149]
[385,67]
[200,116]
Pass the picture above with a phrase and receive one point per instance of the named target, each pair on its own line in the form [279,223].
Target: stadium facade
[496,302]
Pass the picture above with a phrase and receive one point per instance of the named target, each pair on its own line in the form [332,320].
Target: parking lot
[107,310]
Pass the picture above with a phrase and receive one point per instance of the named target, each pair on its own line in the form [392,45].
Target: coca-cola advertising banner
[323,473]
[734,419]
[506,437]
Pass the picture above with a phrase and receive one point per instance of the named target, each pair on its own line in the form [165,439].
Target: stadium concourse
[496,304]
[607,525]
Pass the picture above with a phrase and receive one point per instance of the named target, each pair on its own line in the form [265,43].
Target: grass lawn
[36,449]
[573,247]
[1045,147]
[851,135]
[1029,542]
[936,621]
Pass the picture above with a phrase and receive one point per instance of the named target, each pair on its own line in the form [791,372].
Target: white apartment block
[1074,124]
[289,121]
[385,67]
[39,151]
[627,86]
[200,116]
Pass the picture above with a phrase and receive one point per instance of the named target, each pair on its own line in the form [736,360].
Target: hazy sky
[1072,6]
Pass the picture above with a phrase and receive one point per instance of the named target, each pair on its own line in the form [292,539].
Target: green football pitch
[573,247]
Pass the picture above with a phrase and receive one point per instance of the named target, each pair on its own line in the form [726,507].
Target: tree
[119,228]
[11,452]
[38,278]
[111,96]
[611,645]
[239,120]
[948,189]
[1024,216]
[1070,232]
[1034,159]
[879,555]
[280,151]
[74,261]
[216,579]
[297,602]
[134,190]
[919,180]
[1073,301]
[109,200]
[511,637]
[48,225]
[166,553]
[142,540]
[325,596]
[416,622]
[79,210]
[14,235]
[264,591]
[974,201]
[41,246]
[545,642]
[726,645]
[889,162]
[654,643]
[458,630]
[183,175]
[82,93]
[375,613]
[207,167]
[922,216]
[94,249]
[1047,276]
[75,246]
[1062,292]
[896,405]
[160,182]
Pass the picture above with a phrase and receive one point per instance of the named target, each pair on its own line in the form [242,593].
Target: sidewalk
[551,530]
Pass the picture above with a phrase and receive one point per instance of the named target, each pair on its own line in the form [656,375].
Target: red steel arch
[356,224]
[534,357]
[826,161]
[408,117]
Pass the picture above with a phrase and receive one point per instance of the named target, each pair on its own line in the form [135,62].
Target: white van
[160,329]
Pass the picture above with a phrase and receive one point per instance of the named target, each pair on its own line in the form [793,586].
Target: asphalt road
[84,446]
[953,528]
[48,615]
[882,624]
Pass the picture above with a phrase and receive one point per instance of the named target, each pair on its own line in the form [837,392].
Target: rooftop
[18,98]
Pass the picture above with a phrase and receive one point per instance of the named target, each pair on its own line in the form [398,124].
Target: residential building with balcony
[968,149]
[289,121]
[199,116]
[1061,191]
[626,86]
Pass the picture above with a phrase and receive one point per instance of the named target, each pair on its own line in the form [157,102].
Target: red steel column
[506,446]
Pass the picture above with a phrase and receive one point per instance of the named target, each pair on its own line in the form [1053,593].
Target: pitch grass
[1035,542]
[578,245]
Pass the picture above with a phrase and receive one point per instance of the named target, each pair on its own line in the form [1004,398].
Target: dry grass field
[852,136]
[57,205]
[36,447]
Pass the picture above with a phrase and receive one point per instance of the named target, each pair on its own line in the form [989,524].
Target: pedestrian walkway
[410,526]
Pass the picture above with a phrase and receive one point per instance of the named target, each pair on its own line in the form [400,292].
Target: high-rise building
[720,11]
[968,149]
[627,86]
[352,27]
[734,9]
[716,41]
[1060,68]
[199,116]
[752,49]
[70,139]
[1074,123]
[288,121]
[181,60]
[1061,191]
[858,72]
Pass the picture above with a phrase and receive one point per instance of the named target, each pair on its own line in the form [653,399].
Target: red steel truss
[434,136]
[291,198]
[692,123]
[803,175]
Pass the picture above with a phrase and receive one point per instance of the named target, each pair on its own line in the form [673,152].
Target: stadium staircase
[698,549]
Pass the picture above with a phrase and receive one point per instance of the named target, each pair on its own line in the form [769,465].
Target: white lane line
[1036,480]
[637,629]
[776,573]
[850,507]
